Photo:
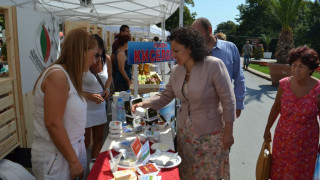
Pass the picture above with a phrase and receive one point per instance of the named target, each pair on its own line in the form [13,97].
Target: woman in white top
[58,150]
[96,98]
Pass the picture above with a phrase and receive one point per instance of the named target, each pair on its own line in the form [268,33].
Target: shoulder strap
[98,78]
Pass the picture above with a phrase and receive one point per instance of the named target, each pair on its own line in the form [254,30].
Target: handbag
[316,175]
[264,162]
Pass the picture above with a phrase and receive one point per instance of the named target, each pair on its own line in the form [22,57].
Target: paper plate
[162,147]
[172,163]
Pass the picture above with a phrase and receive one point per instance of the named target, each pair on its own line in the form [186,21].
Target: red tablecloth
[101,169]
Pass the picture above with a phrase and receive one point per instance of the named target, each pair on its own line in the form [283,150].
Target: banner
[38,44]
[148,52]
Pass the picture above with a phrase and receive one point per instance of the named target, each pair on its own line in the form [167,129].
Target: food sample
[125,175]
[148,168]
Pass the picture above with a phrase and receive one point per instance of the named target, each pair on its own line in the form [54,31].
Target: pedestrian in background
[123,72]
[247,53]
[229,54]
[124,31]
[296,137]
[221,36]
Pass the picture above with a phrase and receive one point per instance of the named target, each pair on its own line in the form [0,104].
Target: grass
[265,69]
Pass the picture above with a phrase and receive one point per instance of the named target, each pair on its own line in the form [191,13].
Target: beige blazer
[211,97]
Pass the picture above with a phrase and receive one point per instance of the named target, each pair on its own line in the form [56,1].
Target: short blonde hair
[221,36]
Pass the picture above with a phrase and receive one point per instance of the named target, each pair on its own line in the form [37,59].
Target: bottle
[120,111]
[129,95]
[162,86]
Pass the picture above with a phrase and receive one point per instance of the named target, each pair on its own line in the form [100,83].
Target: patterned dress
[203,156]
[296,137]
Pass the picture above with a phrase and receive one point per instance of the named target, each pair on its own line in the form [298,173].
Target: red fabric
[101,169]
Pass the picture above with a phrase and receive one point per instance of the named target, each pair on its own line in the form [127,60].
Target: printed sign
[136,147]
[148,52]
[38,44]
[145,152]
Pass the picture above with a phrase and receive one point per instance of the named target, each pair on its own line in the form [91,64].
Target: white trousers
[51,165]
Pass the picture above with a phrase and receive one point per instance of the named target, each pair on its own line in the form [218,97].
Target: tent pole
[181,13]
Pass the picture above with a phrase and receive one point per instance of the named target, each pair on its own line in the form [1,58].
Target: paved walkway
[258,73]
[249,128]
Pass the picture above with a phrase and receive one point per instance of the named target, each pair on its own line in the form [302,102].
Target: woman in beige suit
[207,113]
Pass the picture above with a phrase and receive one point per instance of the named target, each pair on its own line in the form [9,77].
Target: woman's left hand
[227,140]
[106,94]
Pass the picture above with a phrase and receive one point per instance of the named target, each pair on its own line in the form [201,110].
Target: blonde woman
[58,150]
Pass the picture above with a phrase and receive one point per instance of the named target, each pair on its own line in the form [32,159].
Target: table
[101,168]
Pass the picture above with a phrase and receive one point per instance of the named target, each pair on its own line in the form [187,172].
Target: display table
[101,168]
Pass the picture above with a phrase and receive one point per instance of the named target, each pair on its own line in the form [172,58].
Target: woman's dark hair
[123,28]
[192,39]
[308,57]
[124,39]
[101,46]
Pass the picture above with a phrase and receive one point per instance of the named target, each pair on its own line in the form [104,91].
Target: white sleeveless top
[96,113]
[74,118]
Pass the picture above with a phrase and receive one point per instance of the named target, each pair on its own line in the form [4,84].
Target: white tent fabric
[139,31]
[142,13]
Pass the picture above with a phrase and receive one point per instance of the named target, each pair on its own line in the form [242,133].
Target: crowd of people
[70,104]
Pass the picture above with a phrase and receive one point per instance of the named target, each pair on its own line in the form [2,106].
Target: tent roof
[138,31]
[141,13]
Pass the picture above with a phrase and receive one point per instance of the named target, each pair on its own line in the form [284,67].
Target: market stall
[152,129]
[102,168]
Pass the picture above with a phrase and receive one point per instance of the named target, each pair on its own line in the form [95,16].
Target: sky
[217,11]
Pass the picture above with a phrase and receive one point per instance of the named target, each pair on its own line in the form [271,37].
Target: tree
[229,28]
[285,11]
[188,17]
[307,28]
[255,19]
[267,40]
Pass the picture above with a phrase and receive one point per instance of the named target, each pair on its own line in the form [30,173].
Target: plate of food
[165,159]
[160,146]
[130,161]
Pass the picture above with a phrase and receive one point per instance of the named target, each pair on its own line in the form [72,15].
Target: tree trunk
[285,44]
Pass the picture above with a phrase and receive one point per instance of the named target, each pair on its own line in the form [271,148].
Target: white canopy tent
[141,13]
[139,31]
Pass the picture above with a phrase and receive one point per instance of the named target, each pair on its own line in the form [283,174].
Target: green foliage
[263,69]
[2,21]
[188,17]
[285,11]
[267,40]
[258,52]
[255,19]
[228,28]
[307,29]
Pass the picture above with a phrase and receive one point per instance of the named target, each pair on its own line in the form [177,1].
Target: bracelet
[108,90]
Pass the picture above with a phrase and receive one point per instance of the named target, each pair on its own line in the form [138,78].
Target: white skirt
[96,114]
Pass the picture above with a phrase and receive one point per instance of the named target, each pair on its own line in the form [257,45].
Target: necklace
[188,74]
